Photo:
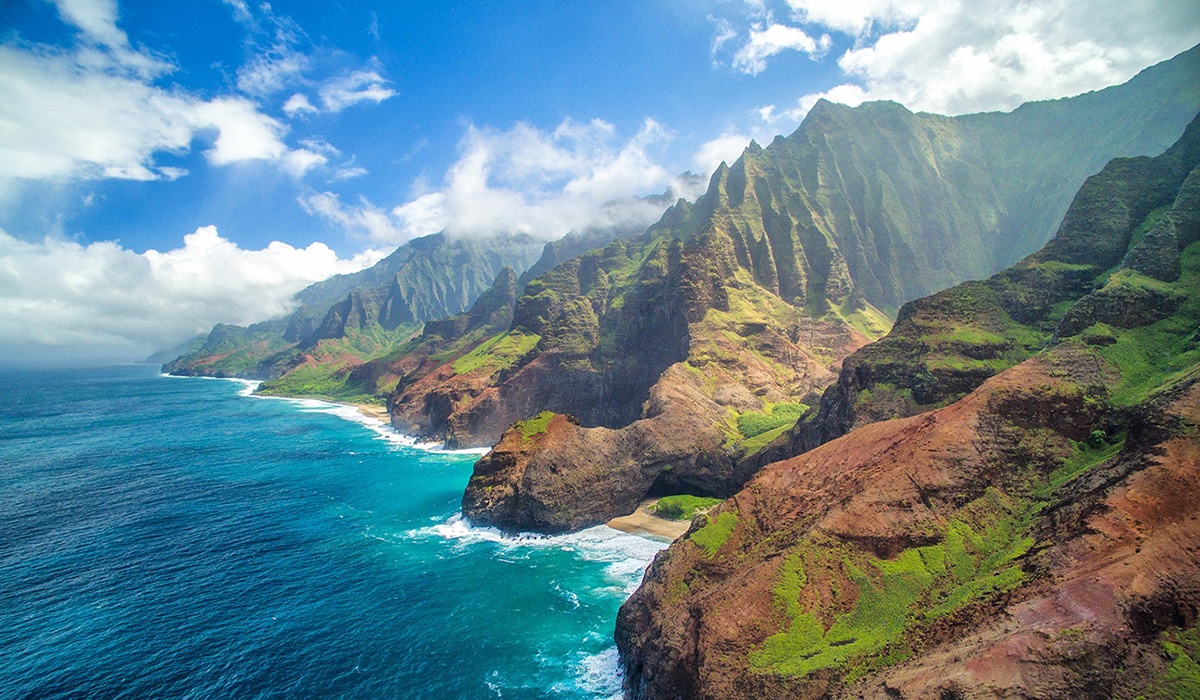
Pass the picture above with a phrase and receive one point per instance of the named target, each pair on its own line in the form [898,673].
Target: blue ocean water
[174,538]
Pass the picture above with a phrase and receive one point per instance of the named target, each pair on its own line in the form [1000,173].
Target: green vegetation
[866,319]
[778,415]
[713,536]
[534,426]
[498,352]
[682,507]
[761,440]
[1159,354]
[1181,679]
[322,381]
[1088,454]
[363,315]
[896,597]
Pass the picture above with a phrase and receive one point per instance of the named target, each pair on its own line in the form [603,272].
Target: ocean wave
[382,429]
[601,674]
[249,386]
[627,555]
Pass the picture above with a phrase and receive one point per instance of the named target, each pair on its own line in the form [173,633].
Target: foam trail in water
[627,555]
[382,429]
[601,675]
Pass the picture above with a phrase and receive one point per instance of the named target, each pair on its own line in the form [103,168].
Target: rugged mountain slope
[1036,538]
[351,317]
[744,303]
[410,360]
[945,345]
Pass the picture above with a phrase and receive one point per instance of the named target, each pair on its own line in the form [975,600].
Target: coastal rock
[562,476]
[786,589]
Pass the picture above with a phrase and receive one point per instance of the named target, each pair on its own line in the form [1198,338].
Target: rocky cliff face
[945,345]
[1033,538]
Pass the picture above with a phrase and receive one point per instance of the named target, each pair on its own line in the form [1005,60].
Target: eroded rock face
[568,477]
[788,262]
[1111,560]
[1137,214]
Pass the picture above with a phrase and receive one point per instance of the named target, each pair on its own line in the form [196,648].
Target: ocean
[165,537]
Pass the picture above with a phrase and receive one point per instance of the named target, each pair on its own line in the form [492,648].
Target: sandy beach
[371,411]
[642,522]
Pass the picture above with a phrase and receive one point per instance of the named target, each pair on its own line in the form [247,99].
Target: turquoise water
[169,537]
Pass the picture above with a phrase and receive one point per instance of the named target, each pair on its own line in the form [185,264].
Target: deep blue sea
[166,537]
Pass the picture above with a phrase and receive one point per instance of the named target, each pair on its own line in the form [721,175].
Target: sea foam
[382,429]
[627,555]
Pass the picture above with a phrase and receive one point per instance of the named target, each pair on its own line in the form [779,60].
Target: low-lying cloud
[59,295]
[527,180]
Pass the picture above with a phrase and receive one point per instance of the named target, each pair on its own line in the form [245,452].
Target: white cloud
[723,35]
[271,71]
[766,41]
[243,133]
[847,94]
[58,293]
[97,18]
[727,148]
[955,56]
[544,183]
[94,111]
[854,16]
[423,215]
[361,86]
[523,179]
[364,220]
[298,104]
[347,173]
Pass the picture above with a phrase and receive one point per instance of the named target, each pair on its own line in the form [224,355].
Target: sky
[168,166]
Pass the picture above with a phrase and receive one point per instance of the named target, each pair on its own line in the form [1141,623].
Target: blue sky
[204,153]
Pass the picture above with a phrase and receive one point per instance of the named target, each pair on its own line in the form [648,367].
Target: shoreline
[371,411]
[643,522]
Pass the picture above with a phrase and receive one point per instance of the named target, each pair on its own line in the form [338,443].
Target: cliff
[945,345]
[1033,538]
[349,319]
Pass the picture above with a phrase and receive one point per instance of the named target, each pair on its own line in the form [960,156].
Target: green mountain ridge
[348,318]
[944,346]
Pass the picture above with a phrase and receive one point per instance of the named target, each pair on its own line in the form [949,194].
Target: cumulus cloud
[726,148]
[528,180]
[766,41]
[95,110]
[544,182]
[298,104]
[955,57]
[101,296]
